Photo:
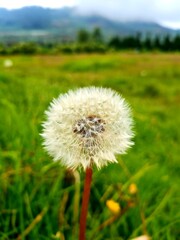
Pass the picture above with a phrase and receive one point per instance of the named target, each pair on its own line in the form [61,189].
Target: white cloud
[45,3]
[154,10]
[174,25]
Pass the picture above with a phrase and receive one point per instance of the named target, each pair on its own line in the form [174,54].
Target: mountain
[25,18]
[45,23]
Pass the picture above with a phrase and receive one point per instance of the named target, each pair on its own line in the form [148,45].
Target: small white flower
[87,126]
[143,237]
[8,63]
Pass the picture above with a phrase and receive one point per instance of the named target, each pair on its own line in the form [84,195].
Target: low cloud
[130,10]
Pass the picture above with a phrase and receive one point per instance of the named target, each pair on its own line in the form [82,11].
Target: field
[40,199]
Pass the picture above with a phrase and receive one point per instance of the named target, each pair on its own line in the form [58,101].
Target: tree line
[94,41]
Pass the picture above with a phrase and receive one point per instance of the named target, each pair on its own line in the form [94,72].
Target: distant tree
[129,42]
[24,48]
[83,36]
[166,43]
[157,43]
[3,49]
[138,43]
[97,35]
[147,43]
[66,48]
[176,43]
[115,43]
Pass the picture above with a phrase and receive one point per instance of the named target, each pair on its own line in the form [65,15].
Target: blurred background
[49,47]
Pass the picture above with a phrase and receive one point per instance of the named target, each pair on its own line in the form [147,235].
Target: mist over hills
[38,22]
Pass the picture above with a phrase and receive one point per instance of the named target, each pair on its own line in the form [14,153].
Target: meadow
[40,199]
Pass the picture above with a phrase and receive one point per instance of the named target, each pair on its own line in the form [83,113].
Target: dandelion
[85,128]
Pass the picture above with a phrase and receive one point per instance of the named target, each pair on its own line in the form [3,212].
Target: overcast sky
[166,12]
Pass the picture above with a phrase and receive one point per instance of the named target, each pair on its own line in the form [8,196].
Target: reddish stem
[85,200]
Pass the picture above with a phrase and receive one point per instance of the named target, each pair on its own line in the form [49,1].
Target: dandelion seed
[87,127]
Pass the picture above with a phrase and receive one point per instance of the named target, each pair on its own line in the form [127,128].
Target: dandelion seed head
[88,126]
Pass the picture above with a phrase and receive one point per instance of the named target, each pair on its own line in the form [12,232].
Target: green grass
[38,199]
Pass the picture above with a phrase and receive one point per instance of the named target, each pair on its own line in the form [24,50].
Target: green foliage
[39,199]
[97,35]
[24,48]
[83,36]
[93,42]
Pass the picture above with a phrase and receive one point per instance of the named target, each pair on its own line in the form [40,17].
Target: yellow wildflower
[133,188]
[113,206]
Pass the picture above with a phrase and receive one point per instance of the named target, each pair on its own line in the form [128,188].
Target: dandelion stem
[85,200]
